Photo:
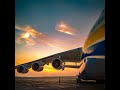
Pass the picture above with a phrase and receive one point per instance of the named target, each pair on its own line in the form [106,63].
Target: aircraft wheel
[78,80]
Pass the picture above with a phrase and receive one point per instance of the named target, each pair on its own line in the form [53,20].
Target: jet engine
[57,64]
[37,66]
[22,69]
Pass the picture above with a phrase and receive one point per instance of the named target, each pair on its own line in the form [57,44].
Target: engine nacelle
[37,66]
[22,69]
[57,64]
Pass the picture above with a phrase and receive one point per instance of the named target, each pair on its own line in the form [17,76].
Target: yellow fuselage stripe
[98,34]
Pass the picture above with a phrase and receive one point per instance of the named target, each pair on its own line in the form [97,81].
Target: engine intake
[22,69]
[37,67]
[57,64]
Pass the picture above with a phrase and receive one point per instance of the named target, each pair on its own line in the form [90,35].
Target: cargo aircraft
[89,59]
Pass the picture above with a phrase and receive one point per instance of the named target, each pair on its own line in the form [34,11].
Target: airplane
[89,59]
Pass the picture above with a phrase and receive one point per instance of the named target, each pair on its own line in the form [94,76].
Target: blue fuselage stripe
[97,49]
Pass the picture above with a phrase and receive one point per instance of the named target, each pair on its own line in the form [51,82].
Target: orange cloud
[35,38]
[64,28]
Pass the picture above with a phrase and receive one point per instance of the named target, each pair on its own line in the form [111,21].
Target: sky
[46,27]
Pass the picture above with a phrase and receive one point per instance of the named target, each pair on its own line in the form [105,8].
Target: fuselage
[93,56]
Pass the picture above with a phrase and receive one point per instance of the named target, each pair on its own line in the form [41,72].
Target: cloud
[30,42]
[32,37]
[64,28]
[32,31]
[22,28]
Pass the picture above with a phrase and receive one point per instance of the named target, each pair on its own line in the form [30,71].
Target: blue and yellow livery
[93,55]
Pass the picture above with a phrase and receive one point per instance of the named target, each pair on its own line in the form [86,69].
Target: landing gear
[78,80]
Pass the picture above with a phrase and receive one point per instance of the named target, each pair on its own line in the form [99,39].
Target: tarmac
[55,83]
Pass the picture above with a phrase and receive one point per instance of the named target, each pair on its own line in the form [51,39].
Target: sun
[26,35]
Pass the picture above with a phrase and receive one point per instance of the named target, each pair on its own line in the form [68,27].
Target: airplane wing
[58,61]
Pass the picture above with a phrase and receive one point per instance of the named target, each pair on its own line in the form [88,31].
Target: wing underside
[58,61]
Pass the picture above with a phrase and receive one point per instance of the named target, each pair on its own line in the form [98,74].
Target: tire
[78,80]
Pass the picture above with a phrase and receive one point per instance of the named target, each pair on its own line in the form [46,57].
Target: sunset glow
[64,28]
[44,28]
[26,35]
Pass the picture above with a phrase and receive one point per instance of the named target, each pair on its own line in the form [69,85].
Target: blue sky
[44,14]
